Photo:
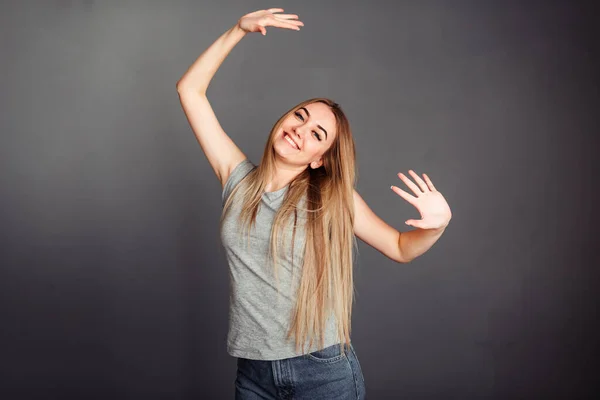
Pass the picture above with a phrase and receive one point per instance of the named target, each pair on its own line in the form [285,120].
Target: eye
[299,115]
[317,135]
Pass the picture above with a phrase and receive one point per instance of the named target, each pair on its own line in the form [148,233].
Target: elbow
[399,255]
[402,258]
[179,85]
[182,87]
[182,83]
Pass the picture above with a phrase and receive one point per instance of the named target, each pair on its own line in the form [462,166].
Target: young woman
[288,227]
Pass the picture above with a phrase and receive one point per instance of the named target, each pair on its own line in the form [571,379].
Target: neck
[283,175]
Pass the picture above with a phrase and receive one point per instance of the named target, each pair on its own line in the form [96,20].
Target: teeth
[291,141]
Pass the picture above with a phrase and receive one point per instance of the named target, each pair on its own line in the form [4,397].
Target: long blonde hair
[327,281]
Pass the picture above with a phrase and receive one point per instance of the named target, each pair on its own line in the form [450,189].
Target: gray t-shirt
[259,317]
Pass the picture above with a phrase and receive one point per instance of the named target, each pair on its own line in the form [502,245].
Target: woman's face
[312,128]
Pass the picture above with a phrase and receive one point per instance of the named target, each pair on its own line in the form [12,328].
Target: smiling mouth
[287,137]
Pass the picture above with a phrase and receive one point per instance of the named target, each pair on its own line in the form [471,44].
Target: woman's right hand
[258,21]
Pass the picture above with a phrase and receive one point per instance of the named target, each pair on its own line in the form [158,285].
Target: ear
[316,164]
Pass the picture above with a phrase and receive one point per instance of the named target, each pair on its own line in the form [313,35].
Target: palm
[258,21]
[434,210]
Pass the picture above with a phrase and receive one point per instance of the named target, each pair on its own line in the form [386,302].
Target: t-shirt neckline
[274,195]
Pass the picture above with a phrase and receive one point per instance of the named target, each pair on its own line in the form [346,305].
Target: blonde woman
[288,228]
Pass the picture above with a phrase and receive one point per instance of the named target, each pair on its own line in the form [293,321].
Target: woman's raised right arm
[221,152]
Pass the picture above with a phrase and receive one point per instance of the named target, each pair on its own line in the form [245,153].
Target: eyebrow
[319,126]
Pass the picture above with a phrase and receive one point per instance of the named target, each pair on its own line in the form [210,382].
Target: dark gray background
[113,280]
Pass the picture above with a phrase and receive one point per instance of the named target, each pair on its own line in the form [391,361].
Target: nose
[298,131]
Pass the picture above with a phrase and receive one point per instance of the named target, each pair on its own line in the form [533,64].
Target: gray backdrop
[114,282]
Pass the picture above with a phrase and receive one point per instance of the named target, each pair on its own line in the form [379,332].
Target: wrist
[238,29]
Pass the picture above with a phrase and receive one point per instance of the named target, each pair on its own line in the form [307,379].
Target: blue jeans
[323,374]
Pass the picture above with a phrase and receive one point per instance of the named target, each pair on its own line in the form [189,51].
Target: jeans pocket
[329,354]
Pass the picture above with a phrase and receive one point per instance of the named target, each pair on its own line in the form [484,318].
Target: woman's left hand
[435,212]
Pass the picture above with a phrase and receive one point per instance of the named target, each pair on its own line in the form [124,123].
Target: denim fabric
[323,374]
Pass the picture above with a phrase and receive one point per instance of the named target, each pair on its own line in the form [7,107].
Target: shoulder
[239,171]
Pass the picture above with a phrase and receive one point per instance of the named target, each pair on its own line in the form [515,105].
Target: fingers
[291,21]
[410,184]
[281,24]
[287,21]
[420,181]
[433,189]
[286,16]
[405,195]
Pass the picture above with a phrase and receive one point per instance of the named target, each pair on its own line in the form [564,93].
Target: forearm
[414,243]
[201,72]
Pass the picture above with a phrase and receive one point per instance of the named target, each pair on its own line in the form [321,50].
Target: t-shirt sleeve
[238,173]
